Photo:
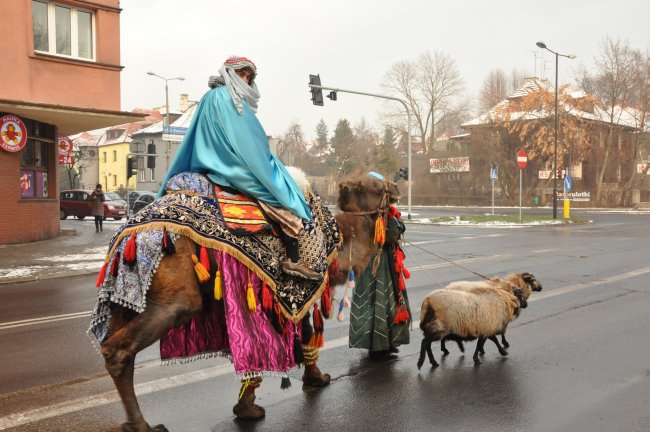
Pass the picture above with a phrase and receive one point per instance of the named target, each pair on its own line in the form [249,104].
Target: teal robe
[232,149]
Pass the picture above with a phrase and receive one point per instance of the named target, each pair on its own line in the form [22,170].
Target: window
[63,30]
[114,180]
[152,173]
[114,155]
[36,158]
[104,157]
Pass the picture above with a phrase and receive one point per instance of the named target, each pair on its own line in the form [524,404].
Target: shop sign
[13,133]
[447,165]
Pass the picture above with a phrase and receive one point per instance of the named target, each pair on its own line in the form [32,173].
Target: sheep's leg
[423,349]
[502,350]
[461,347]
[479,348]
[433,361]
[444,350]
[504,341]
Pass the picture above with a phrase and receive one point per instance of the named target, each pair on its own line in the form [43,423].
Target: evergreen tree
[322,139]
[343,148]
[386,157]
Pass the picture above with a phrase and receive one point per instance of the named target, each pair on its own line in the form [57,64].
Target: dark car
[134,195]
[76,202]
[143,200]
[114,196]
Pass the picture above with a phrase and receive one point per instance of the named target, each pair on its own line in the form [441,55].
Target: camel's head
[366,193]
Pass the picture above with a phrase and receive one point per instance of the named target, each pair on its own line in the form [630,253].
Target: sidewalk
[77,251]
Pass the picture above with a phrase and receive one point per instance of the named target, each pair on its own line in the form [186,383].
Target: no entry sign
[522,159]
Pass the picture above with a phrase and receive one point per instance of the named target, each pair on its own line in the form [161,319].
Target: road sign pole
[520,191]
[492,197]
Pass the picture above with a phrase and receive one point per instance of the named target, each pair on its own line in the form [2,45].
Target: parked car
[133,195]
[76,202]
[114,196]
[143,200]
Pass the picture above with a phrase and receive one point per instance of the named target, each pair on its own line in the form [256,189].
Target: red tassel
[102,275]
[333,269]
[326,300]
[267,298]
[406,273]
[114,265]
[167,243]
[317,339]
[129,249]
[203,257]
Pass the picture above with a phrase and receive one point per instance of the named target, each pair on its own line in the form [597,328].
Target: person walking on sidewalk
[97,199]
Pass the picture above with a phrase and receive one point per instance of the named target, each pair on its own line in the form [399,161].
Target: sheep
[526,282]
[463,315]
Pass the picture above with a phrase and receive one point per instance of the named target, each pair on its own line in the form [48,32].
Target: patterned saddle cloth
[191,208]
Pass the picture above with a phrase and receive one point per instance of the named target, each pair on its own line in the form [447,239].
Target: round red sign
[522,159]
[65,146]
[13,133]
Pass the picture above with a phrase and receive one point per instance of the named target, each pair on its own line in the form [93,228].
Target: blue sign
[493,174]
[567,184]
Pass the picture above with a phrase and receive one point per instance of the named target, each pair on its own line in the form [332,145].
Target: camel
[174,297]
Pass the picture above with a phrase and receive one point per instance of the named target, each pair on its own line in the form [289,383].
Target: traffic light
[316,93]
[131,167]
[403,173]
[151,160]
[332,95]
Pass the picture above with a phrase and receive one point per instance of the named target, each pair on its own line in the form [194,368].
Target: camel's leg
[172,299]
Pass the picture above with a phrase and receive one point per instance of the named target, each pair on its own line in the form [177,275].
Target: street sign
[522,159]
[493,173]
[567,184]
[65,146]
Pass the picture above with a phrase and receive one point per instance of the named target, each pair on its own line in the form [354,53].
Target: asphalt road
[578,359]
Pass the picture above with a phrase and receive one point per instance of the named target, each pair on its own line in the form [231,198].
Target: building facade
[64,78]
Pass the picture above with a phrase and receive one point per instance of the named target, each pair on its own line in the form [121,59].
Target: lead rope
[446,259]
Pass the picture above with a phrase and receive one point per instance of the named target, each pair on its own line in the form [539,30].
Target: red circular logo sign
[13,133]
[522,159]
[65,146]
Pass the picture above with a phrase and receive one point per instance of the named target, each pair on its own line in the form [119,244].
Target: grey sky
[351,44]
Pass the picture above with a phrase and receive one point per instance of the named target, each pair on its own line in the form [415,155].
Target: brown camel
[174,296]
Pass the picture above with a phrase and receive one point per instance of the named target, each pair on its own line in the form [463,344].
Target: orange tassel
[317,339]
[205,260]
[102,275]
[130,250]
[406,273]
[267,297]
[250,297]
[201,273]
[380,231]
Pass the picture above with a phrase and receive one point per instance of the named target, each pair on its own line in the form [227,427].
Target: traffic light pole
[408,130]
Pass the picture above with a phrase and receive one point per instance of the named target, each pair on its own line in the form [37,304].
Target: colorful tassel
[380,230]
[201,273]
[317,338]
[277,320]
[218,290]
[346,301]
[406,273]
[250,297]
[167,243]
[326,300]
[340,316]
[333,268]
[351,283]
[267,298]
[203,257]
[129,256]
[102,275]
[115,264]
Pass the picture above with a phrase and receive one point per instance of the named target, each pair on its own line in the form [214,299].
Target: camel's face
[364,193]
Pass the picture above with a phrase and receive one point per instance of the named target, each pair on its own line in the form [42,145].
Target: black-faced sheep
[526,282]
[463,315]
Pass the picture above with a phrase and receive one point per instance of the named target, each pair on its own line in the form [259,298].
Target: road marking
[43,320]
[67,407]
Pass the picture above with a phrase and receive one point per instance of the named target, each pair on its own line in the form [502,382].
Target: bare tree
[432,89]
[292,148]
[495,88]
[612,83]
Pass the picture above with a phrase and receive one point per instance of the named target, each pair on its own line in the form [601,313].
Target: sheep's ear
[527,277]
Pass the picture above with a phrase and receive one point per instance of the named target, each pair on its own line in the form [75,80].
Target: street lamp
[571,56]
[166,122]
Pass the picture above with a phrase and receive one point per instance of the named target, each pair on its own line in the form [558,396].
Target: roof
[116,134]
[624,116]
[182,122]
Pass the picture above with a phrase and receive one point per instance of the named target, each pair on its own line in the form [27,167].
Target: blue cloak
[233,150]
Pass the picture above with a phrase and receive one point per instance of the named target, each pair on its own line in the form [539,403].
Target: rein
[447,259]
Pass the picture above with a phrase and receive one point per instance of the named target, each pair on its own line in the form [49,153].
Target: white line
[67,407]
[43,320]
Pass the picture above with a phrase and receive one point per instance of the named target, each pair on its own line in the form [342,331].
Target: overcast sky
[352,43]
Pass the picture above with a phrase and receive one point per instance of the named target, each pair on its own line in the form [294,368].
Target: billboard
[449,165]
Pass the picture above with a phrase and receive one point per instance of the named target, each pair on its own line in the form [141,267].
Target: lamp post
[571,56]
[166,122]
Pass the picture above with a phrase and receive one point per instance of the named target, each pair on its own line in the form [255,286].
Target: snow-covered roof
[182,122]
[628,117]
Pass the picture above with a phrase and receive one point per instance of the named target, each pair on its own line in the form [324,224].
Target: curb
[55,275]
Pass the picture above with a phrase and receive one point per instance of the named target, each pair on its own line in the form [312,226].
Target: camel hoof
[248,411]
